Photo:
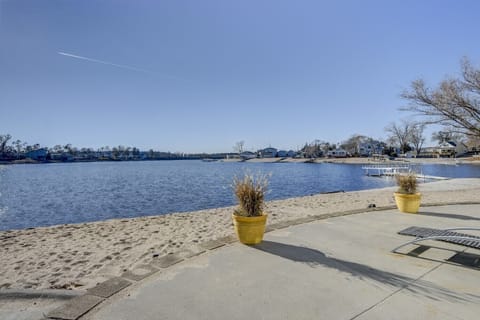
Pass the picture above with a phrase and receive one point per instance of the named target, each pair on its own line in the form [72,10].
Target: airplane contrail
[103,62]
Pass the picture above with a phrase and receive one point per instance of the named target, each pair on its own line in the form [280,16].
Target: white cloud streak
[103,62]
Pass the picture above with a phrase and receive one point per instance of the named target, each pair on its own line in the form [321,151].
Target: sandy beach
[79,256]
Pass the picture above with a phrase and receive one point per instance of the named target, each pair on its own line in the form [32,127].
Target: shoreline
[367,161]
[473,160]
[78,256]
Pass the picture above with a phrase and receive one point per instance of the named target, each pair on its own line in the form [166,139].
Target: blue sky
[194,76]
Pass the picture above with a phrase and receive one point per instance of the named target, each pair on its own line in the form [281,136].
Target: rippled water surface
[50,194]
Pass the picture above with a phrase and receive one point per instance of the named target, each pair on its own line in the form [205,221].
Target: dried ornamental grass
[250,192]
[407,183]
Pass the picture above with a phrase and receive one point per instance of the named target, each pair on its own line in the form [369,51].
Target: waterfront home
[337,153]
[245,155]
[291,154]
[38,154]
[282,153]
[286,154]
[369,148]
[451,148]
[268,153]
[105,155]
[61,156]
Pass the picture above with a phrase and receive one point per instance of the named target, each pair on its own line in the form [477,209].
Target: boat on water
[209,160]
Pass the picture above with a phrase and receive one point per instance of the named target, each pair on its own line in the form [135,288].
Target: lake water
[50,194]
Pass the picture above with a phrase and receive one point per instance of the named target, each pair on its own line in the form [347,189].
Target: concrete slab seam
[109,287]
[212,244]
[75,308]
[396,291]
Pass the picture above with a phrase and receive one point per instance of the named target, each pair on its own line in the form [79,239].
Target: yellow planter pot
[408,203]
[250,230]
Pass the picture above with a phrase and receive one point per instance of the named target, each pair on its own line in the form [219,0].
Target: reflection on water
[49,194]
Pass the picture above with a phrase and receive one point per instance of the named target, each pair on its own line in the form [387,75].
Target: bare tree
[400,134]
[4,138]
[352,143]
[447,135]
[454,103]
[238,147]
[19,146]
[416,136]
[314,149]
[473,144]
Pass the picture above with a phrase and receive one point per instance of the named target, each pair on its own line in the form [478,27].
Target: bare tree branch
[454,103]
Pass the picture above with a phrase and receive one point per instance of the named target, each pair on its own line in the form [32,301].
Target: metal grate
[421,232]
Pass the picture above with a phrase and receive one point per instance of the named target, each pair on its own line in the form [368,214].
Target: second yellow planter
[250,230]
[408,203]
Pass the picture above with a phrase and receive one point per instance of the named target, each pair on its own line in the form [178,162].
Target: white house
[268,153]
[337,153]
[451,148]
[248,155]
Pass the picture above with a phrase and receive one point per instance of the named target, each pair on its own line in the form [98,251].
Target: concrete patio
[336,268]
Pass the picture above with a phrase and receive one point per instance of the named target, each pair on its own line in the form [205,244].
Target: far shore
[349,160]
[78,256]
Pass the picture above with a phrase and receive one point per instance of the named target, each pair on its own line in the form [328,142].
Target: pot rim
[407,194]
[244,218]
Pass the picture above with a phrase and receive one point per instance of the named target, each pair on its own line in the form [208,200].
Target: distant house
[282,153]
[248,155]
[299,155]
[337,153]
[56,156]
[368,149]
[291,154]
[451,148]
[105,155]
[268,153]
[38,154]
[428,150]
[61,156]
[286,154]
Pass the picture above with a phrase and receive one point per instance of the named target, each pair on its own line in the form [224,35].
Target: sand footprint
[79,262]
[106,258]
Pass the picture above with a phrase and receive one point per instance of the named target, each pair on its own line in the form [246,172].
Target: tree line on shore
[18,150]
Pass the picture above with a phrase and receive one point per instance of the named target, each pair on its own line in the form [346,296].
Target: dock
[391,170]
[379,170]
